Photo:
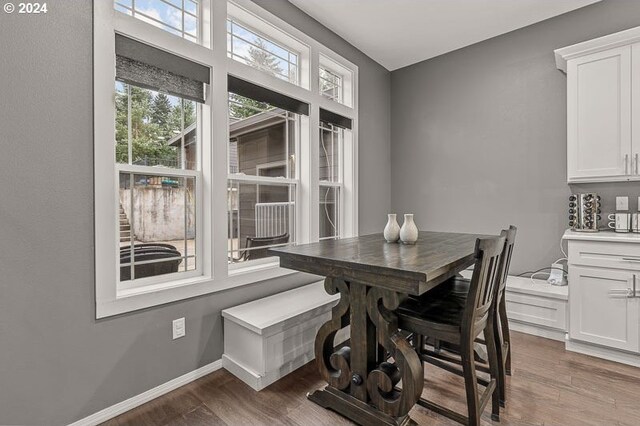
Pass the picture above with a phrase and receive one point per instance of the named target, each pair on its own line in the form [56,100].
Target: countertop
[605,235]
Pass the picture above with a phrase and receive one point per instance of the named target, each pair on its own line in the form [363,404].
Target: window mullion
[129,130]
[131,224]
[312,161]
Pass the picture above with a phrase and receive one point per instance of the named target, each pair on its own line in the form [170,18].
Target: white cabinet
[604,295]
[599,116]
[603,107]
[602,307]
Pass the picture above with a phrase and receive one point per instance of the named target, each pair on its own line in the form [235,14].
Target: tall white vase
[409,230]
[392,230]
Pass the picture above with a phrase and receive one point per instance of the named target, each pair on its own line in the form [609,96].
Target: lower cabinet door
[599,310]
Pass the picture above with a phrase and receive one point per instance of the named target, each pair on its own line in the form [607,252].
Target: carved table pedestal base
[354,409]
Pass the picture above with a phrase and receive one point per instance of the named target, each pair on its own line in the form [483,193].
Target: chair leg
[470,383]
[494,366]
[500,378]
[504,324]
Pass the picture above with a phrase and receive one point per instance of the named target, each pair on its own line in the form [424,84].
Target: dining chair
[459,319]
[460,285]
[253,246]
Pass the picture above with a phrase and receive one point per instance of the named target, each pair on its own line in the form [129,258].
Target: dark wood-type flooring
[549,386]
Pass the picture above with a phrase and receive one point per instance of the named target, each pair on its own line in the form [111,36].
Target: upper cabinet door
[599,116]
[635,111]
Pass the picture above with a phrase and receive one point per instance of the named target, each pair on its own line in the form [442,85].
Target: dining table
[376,377]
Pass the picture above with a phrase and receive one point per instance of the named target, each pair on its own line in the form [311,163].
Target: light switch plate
[178,328]
[622,203]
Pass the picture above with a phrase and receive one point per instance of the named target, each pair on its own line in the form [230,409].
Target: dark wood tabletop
[411,269]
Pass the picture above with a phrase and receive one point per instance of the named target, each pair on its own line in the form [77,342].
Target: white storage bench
[268,338]
[536,307]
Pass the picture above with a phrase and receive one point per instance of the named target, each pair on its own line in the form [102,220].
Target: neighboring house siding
[255,149]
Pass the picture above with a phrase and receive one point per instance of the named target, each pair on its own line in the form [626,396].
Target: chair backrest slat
[506,259]
[486,275]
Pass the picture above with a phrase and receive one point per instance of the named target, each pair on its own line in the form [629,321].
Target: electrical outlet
[622,203]
[556,276]
[179,329]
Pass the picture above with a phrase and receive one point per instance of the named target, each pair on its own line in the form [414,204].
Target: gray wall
[57,363]
[479,134]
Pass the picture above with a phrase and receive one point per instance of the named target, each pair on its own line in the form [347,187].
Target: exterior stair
[125,227]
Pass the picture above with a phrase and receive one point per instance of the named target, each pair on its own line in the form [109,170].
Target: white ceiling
[397,33]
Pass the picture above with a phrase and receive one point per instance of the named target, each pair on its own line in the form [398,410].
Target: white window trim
[339,184]
[202,6]
[304,54]
[142,284]
[217,273]
[339,66]
[340,86]
[266,28]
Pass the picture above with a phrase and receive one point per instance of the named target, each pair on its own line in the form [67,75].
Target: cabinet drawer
[536,310]
[605,254]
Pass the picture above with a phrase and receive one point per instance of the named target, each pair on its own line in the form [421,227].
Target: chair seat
[437,311]
[459,284]
[443,305]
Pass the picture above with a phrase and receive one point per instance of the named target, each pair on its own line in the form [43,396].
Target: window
[332,141]
[246,46]
[157,161]
[262,184]
[335,81]
[179,17]
[330,85]
[192,189]
[331,138]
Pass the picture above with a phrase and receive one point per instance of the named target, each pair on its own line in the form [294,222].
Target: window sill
[133,299]
[255,273]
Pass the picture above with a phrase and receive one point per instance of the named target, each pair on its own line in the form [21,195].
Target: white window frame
[338,184]
[234,21]
[216,272]
[140,284]
[338,97]
[337,66]
[302,123]
[246,16]
[203,6]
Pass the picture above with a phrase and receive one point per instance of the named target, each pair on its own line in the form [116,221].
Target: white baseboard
[135,401]
[257,381]
[602,352]
[536,330]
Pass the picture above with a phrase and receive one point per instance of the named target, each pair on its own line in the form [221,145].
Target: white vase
[409,230]
[392,230]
